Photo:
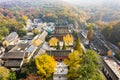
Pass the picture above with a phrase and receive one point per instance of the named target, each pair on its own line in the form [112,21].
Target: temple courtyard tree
[45,65]
[73,61]
[78,46]
[4,73]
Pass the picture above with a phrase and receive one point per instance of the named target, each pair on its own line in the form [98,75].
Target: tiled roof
[13,63]
[58,52]
[61,30]
[13,55]
[11,36]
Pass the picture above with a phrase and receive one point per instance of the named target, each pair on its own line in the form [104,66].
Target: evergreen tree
[58,46]
[64,46]
[78,45]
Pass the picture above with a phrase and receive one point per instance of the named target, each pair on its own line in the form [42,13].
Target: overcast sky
[92,1]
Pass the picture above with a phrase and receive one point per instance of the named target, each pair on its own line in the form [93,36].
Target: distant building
[111,68]
[11,39]
[36,21]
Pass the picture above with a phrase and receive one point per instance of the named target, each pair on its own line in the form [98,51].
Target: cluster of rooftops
[20,51]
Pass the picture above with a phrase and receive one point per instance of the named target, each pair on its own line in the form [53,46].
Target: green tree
[45,65]
[78,45]
[12,75]
[58,46]
[22,32]
[0,37]
[4,73]
[117,55]
[90,66]
[64,46]
[29,68]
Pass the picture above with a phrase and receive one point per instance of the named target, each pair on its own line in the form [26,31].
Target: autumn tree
[78,45]
[73,61]
[45,65]
[25,18]
[68,39]
[4,73]
[53,41]
[90,33]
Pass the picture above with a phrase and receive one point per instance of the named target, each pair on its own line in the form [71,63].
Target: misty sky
[91,1]
[82,1]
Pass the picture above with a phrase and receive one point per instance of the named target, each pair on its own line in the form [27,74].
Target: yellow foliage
[46,65]
[5,43]
[4,73]
[90,33]
[53,41]
[68,39]
[74,64]
[25,17]
[109,53]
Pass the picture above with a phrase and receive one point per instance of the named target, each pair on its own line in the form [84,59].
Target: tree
[4,73]
[117,55]
[68,39]
[0,37]
[78,45]
[45,65]
[73,61]
[4,31]
[64,46]
[107,32]
[33,77]
[90,34]
[25,18]
[53,41]
[12,75]
[22,32]
[58,46]
[35,31]
[111,33]
[90,66]
[29,68]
